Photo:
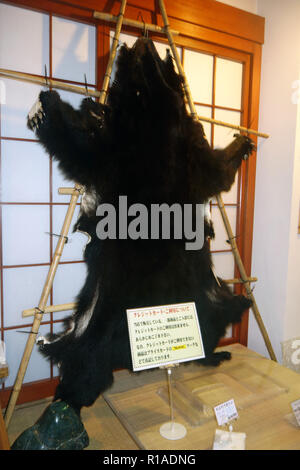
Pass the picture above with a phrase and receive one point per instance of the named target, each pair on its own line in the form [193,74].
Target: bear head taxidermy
[144,145]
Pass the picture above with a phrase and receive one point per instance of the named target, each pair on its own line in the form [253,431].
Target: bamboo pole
[50,309]
[168,32]
[26,77]
[219,197]
[135,24]
[75,193]
[233,126]
[112,53]
[67,191]
[239,280]
[244,277]
[38,316]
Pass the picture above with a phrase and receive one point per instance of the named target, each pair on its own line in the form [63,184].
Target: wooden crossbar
[135,24]
[72,305]
[25,77]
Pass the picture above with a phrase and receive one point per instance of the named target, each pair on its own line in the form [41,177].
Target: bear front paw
[247,145]
[35,116]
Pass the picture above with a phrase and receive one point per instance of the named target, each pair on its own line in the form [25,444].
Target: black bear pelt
[145,145]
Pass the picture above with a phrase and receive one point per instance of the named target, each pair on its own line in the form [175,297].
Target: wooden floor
[129,416]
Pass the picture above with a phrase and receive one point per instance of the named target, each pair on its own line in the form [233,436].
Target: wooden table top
[262,391]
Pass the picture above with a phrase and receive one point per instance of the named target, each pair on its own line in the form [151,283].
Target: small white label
[225,412]
[296,409]
[229,440]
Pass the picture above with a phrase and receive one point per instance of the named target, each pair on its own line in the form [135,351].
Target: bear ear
[168,57]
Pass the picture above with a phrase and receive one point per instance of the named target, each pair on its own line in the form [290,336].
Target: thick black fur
[142,144]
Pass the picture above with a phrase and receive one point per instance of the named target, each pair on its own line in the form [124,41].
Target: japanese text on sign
[164,335]
[225,412]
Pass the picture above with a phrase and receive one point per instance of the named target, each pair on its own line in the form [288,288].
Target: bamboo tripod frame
[78,190]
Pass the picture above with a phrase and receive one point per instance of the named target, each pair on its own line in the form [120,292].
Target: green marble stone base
[59,428]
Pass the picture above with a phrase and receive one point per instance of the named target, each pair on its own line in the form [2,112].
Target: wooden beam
[210,14]
[133,23]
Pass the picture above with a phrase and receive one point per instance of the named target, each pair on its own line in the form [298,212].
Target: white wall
[276,246]
[292,317]
[248,5]
[276,243]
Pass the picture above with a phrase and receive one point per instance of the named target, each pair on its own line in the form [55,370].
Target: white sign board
[225,412]
[164,335]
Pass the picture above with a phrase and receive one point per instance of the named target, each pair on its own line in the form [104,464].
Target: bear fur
[143,144]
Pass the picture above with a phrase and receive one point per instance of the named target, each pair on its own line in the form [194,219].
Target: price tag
[225,412]
[296,409]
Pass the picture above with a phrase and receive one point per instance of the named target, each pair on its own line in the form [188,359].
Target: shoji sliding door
[32,211]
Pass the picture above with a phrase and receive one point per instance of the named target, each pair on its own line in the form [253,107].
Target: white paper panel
[24,40]
[229,77]
[67,284]
[219,243]
[74,50]
[59,181]
[38,367]
[74,99]
[223,136]
[73,250]
[28,283]
[24,237]
[24,172]
[129,39]
[61,297]
[224,265]
[206,112]
[198,68]
[19,98]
